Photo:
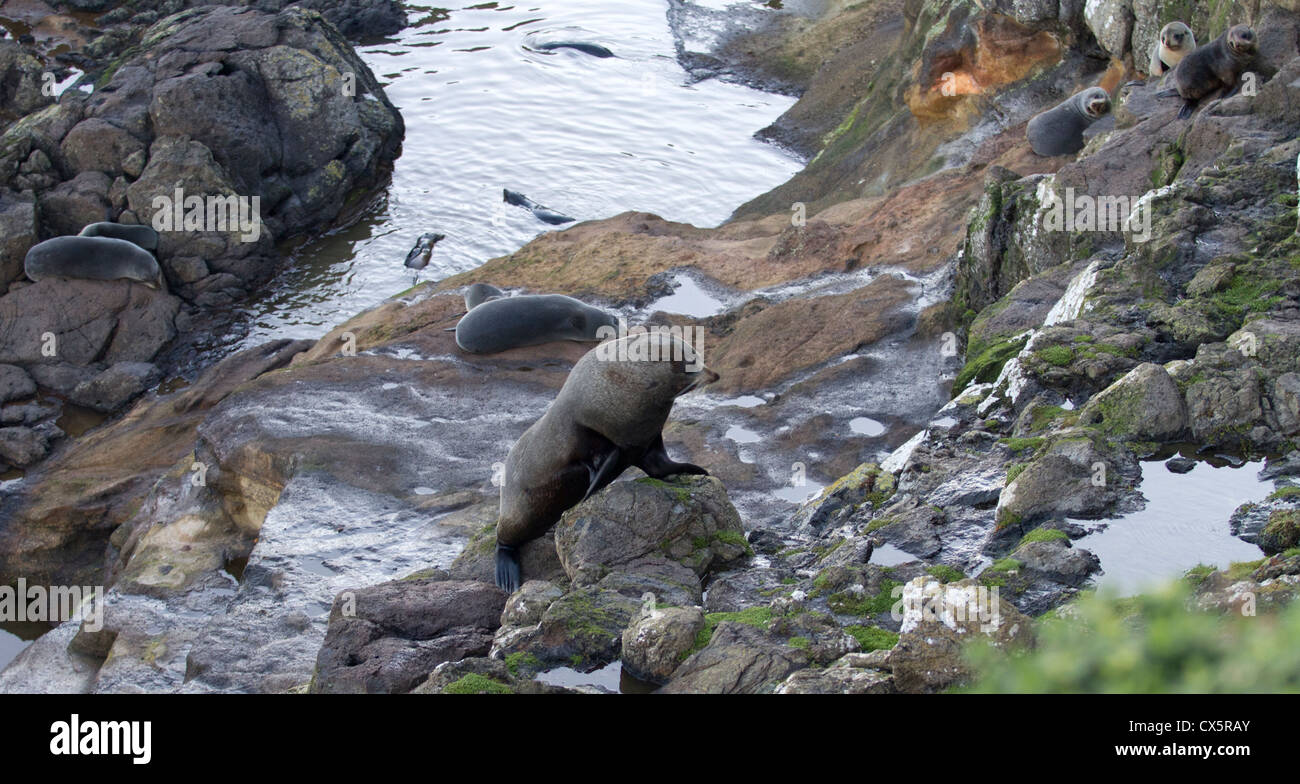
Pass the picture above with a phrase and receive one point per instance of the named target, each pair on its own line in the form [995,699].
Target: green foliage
[1149,644]
[987,363]
[1058,356]
[1021,444]
[1014,470]
[1043,535]
[848,603]
[945,573]
[872,638]
[760,617]
[474,683]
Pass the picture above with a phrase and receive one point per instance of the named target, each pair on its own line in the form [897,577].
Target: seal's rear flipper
[603,470]
[508,576]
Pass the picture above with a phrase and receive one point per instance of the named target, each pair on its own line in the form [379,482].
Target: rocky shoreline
[317,515]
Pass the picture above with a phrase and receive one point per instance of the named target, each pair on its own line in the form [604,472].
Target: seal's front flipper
[508,575]
[603,470]
[1170,93]
[1186,111]
[657,464]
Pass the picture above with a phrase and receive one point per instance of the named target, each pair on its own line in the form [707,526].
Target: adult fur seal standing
[544,214]
[1176,42]
[93,258]
[479,293]
[144,236]
[609,416]
[1059,130]
[1216,66]
[527,320]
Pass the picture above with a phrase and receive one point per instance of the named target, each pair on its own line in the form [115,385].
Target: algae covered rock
[1144,405]
[657,642]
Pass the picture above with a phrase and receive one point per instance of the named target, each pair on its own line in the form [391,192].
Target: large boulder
[1144,405]
[18,232]
[655,643]
[388,638]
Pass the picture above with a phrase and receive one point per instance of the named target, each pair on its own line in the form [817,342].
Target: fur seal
[419,256]
[544,214]
[1059,130]
[480,293]
[1176,42]
[1216,66]
[144,236]
[92,258]
[500,324]
[595,50]
[608,417]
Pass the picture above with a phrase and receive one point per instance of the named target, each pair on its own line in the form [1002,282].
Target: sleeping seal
[544,214]
[144,236]
[92,258]
[1176,42]
[500,324]
[1216,66]
[608,417]
[1059,130]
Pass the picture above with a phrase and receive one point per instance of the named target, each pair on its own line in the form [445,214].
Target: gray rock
[91,321]
[22,446]
[526,606]
[400,631]
[15,384]
[838,680]
[116,386]
[1143,405]
[18,232]
[655,643]
[1058,561]
[739,659]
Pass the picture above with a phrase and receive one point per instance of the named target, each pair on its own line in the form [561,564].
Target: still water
[486,109]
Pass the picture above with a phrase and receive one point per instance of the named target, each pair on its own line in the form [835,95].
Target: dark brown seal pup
[527,320]
[1059,130]
[1216,66]
[609,416]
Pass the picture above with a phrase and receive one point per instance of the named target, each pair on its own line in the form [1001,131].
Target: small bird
[418,258]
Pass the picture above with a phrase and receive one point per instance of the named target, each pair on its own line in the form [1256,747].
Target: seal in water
[527,320]
[1059,130]
[144,236]
[608,416]
[544,214]
[595,50]
[419,256]
[1176,42]
[92,258]
[479,293]
[1216,66]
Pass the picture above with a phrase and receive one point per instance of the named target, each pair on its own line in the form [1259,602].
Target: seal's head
[1094,102]
[1177,36]
[1242,43]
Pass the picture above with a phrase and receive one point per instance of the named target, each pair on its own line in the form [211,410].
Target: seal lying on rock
[499,324]
[1176,42]
[609,416]
[144,236]
[1059,130]
[544,214]
[419,256]
[92,258]
[1216,66]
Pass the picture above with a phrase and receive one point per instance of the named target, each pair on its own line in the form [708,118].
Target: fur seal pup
[544,214]
[1059,130]
[419,256]
[595,50]
[527,320]
[479,293]
[144,236]
[608,416]
[1176,42]
[92,258]
[1216,66]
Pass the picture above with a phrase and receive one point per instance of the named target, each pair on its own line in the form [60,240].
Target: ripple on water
[1185,523]
[586,136]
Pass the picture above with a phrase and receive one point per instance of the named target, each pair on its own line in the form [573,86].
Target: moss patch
[476,684]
